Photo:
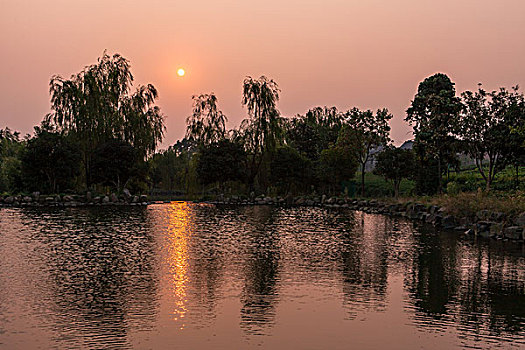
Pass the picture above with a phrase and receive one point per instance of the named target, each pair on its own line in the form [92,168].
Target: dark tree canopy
[115,162]
[207,124]
[485,128]
[51,161]
[289,169]
[221,162]
[98,105]
[338,162]
[395,164]
[433,115]
[371,131]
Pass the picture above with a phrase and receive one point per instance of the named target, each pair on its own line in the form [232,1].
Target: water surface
[196,276]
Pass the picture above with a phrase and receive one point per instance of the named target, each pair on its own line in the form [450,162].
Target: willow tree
[207,124]
[262,131]
[371,131]
[97,105]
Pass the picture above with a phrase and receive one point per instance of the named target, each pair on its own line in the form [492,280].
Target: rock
[448,222]
[496,229]
[27,199]
[114,198]
[67,199]
[483,215]
[135,199]
[9,200]
[49,199]
[497,216]
[482,228]
[323,198]
[513,232]
[105,199]
[36,196]
[520,220]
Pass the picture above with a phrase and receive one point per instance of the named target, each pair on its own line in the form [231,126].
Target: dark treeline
[103,136]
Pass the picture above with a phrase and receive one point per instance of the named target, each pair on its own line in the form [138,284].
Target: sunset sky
[346,53]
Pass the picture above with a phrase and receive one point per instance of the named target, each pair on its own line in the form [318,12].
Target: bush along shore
[483,223]
[73,200]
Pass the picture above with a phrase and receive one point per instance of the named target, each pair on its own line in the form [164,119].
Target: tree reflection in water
[176,273]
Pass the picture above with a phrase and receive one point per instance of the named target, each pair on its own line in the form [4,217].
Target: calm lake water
[196,276]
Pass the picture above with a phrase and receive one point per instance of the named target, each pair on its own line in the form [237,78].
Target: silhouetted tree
[97,105]
[338,162]
[289,168]
[372,131]
[207,124]
[51,161]
[114,163]
[485,128]
[262,131]
[11,148]
[221,161]
[395,164]
[433,115]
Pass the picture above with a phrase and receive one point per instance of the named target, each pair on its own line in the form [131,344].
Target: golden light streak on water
[178,235]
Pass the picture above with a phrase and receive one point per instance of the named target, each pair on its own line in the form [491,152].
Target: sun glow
[181,72]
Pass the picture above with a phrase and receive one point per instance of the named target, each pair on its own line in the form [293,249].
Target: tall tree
[372,131]
[485,127]
[97,105]
[207,124]
[262,131]
[433,114]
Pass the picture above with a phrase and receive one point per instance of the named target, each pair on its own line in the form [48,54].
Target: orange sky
[345,53]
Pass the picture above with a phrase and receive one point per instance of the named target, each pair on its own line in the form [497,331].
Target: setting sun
[181,72]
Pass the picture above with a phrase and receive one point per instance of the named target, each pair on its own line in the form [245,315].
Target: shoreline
[485,223]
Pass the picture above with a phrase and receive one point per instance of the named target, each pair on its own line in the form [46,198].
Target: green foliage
[97,105]
[453,188]
[339,162]
[263,130]
[395,164]
[11,148]
[221,161]
[207,124]
[371,131]
[433,114]
[51,162]
[115,162]
[485,128]
[289,169]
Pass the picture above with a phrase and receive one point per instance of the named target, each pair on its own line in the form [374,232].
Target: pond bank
[74,200]
[483,223]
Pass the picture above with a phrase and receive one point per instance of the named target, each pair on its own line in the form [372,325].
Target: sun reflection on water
[178,235]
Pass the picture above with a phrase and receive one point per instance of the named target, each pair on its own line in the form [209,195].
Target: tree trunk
[396,189]
[440,189]
[363,179]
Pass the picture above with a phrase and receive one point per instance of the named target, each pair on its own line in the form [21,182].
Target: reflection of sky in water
[184,275]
